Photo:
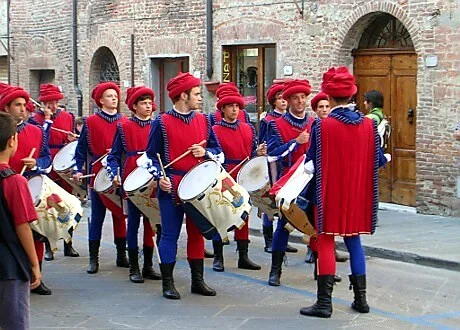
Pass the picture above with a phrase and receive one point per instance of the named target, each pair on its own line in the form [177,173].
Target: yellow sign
[226,66]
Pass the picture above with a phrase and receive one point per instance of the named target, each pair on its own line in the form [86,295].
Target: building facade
[408,49]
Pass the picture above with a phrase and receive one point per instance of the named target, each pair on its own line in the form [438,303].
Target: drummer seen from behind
[174,132]
[129,143]
[238,142]
[19,267]
[13,100]
[288,139]
[95,141]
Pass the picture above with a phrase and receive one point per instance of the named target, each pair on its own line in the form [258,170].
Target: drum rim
[239,173]
[130,174]
[219,166]
[62,149]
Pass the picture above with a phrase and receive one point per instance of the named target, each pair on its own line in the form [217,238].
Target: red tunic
[29,137]
[237,141]
[288,132]
[346,169]
[100,138]
[179,136]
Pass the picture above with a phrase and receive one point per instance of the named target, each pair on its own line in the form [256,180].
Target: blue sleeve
[213,145]
[212,119]
[263,126]
[155,144]
[274,146]
[114,157]
[382,159]
[254,142]
[44,159]
[311,152]
[81,151]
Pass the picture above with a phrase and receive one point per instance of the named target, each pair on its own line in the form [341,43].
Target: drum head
[64,159]
[254,174]
[35,186]
[102,182]
[136,179]
[198,179]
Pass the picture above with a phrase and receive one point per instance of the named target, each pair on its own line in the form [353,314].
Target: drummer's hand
[165,184]
[116,181]
[303,138]
[71,137]
[197,151]
[36,277]
[29,162]
[262,149]
[76,176]
[47,113]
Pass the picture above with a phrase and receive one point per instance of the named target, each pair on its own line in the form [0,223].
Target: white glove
[144,161]
[104,161]
[309,167]
[388,157]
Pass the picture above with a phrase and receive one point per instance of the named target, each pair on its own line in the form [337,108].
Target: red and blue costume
[95,141]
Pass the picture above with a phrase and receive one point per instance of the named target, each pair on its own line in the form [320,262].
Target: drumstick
[85,176]
[30,156]
[155,247]
[237,166]
[36,103]
[65,132]
[183,155]
[102,157]
[161,165]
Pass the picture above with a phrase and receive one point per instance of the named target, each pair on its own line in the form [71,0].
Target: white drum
[254,177]
[140,187]
[59,212]
[63,164]
[213,195]
[103,186]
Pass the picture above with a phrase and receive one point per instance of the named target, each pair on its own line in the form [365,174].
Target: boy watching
[19,269]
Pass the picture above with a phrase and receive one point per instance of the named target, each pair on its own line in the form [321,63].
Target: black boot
[198,284]
[134,272]
[69,251]
[358,283]
[323,306]
[291,249]
[49,255]
[337,278]
[268,237]
[169,290]
[122,261]
[147,271]
[243,261]
[93,266]
[42,289]
[218,263]
[275,271]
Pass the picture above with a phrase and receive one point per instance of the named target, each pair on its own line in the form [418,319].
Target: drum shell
[106,190]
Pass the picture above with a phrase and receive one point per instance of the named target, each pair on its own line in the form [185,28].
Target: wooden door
[395,75]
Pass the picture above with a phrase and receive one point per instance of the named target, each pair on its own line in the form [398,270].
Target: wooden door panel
[404,100]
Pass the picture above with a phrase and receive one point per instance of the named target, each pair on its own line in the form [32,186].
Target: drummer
[13,100]
[216,116]
[238,141]
[50,95]
[288,139]
[95,141]
[130,141]
[174,132]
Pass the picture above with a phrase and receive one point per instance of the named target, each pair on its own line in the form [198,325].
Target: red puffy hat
[229,96]
[49,92]
[133,93]
[101,88]
[226,86]
[318,97]
[181,83]
[339,83]
[296,86]
[30,106]
[274,89]
[11,93]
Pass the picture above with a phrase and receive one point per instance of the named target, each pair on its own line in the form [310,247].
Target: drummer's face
[323,109]
[52,105]
[109,99]
[144,108]
[297,103]
[194,99]
[17,108]
[230,112]
[280,103]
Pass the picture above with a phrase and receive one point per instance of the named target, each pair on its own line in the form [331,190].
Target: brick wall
[324,36]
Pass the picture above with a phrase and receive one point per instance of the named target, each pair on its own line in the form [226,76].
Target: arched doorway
[386,61]
[104,67]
